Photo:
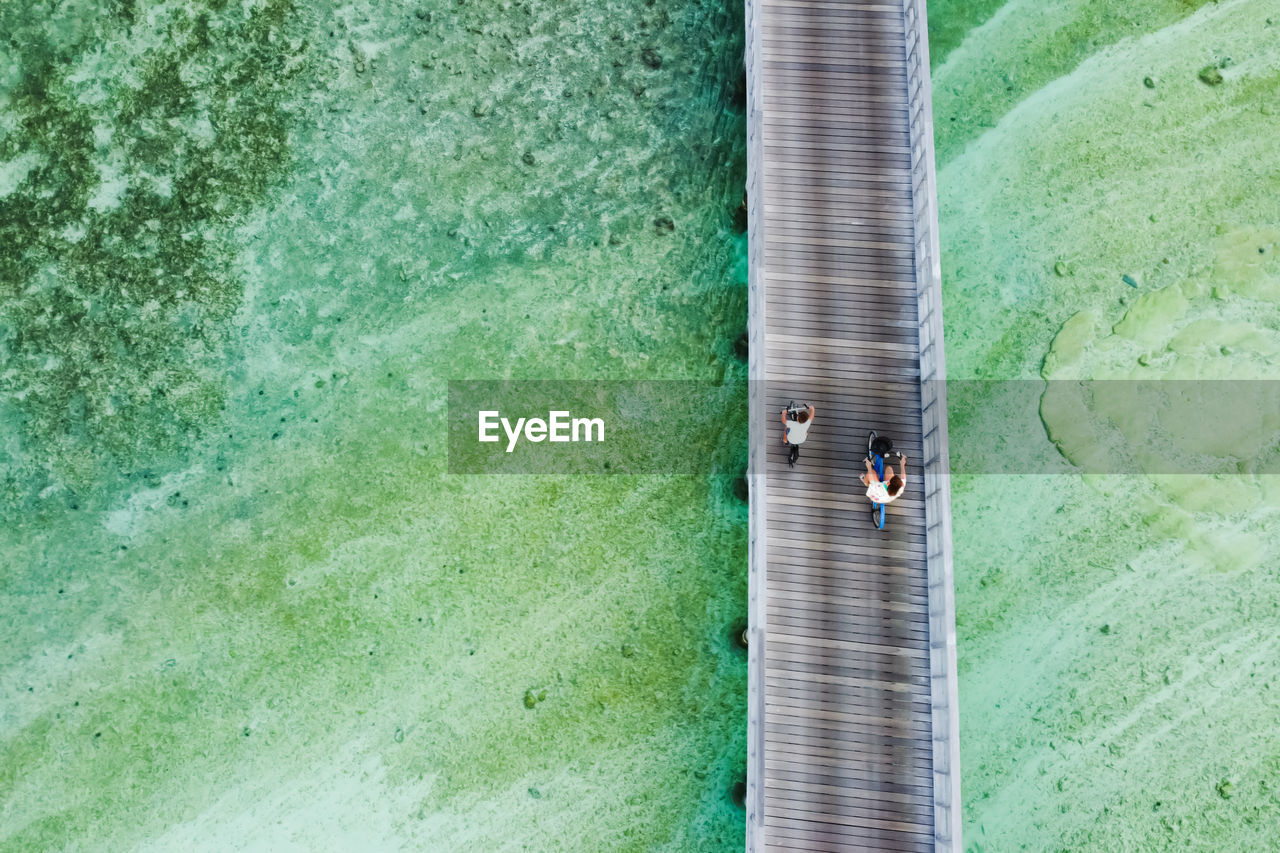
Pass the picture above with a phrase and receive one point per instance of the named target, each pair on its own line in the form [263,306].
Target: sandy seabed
[245,247]
[1110,194]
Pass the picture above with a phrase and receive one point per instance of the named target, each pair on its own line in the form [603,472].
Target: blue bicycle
[877,450]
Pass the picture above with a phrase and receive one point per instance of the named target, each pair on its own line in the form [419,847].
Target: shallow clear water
[246,246]
[1117,634]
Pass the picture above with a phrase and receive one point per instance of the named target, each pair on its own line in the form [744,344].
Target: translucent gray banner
[1188,427]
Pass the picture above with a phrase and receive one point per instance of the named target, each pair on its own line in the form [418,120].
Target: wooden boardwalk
[853,739]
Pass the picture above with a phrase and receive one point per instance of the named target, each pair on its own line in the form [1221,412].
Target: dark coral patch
[117,273]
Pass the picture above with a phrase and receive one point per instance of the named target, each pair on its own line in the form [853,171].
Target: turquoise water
[246,246]
[1117,634]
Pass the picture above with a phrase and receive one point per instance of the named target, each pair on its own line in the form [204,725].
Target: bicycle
[877,450]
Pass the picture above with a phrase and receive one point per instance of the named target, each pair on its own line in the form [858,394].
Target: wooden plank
[795,737]
[846,429]
[854,124]
[876,292]
[846,53]
[790,28]
[782,766]
[832,326]
[819,364]
[859,567]
[847,625]
[894,349]
[855,200]
[880,91]
[819,695]
[891,183]
[878,95]
[846,818]
[799,534]
[837,159]
[838,468]
[839,5]
[876,669]
[801,216]
[813,214]
[776,203]
[908,781]
[775,678]
[867,767]
[792,520]
[830,644]
[839,260]
[840,721]
[874,208]
[783,837]
[797,350]
[868,105]
[866,649]
[850,65]
[882,11]
[794,35]
[798,29]
[908,703]
[861,580]
[851,601]
[883,21]
[865,98]
[862,590]
[805,287]
[858,576]
[813,140]
[804,540]
[854,807]
[882,379]
[854,801]
[853,32]
[815,837]
[810,810]
[911,802]
[841,620]
[858,127]
[841,158]
[872,11]
[868,330]
[794,510]
[855,190]
[869,757]
[868,763]
[841,725]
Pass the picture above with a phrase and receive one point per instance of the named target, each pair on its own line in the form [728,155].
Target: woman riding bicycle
[891,487]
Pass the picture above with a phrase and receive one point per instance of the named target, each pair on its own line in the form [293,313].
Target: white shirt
[880,494]
[797,431]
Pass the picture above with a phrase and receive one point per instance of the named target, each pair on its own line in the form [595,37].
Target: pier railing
[756,429]
[933,406]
